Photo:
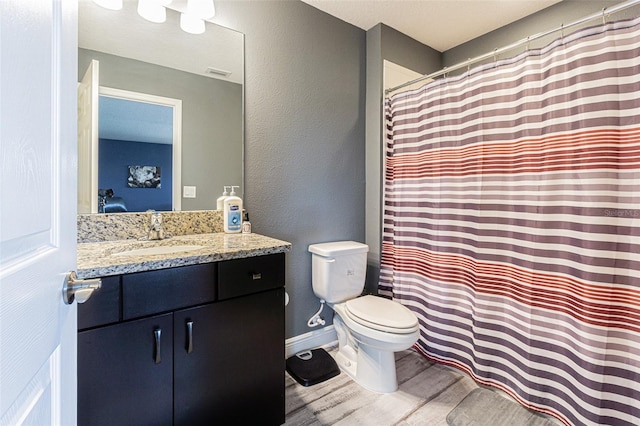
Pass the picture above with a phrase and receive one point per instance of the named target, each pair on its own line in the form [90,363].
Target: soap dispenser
[220,200]
[233,212]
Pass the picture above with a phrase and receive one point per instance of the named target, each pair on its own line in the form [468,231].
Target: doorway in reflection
[135,156]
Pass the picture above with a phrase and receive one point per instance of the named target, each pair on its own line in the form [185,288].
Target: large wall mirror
[203,74]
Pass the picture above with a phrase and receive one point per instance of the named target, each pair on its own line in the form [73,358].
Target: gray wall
[384,43]
[211,119]
[403,50]
[304,133]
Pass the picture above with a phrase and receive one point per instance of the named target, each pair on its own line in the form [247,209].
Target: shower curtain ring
[604,17]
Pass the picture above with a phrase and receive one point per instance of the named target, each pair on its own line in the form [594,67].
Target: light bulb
[191,23]
[152,11]
[109,4]
[204,9]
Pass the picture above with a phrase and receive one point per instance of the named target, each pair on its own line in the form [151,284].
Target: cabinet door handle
[256,276]
[156,355]
[189,337]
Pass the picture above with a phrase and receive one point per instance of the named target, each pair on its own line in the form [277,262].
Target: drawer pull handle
[189,337]
[156,356]
[256,276]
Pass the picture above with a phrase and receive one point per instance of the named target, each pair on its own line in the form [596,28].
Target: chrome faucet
[155,226]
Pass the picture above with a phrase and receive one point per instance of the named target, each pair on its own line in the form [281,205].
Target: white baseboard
[324,337]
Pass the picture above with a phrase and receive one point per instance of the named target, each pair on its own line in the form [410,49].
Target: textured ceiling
[440,24]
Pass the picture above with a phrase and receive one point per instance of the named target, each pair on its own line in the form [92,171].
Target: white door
[38,68]
[88,92]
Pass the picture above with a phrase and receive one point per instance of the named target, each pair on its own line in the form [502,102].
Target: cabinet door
[231,371]
[125,373]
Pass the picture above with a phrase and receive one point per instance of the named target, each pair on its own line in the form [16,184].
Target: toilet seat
[381,314]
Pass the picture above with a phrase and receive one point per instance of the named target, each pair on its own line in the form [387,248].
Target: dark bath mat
[484,407]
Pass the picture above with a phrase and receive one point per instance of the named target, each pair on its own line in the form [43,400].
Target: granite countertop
[98,259]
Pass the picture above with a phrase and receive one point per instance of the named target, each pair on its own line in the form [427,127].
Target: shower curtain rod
[605,11]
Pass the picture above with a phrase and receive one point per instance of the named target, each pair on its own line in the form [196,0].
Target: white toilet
[370,328]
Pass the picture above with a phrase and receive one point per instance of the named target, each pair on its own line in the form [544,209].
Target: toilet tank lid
[338,248]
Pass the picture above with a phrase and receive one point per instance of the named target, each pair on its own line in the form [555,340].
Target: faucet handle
[155,231]
[156,218]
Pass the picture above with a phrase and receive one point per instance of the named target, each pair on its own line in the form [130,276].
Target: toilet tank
[338,270]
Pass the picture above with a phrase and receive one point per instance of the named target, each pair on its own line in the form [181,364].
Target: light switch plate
[189,191]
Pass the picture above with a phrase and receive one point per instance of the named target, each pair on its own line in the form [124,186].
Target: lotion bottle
[220,200]
[232,213]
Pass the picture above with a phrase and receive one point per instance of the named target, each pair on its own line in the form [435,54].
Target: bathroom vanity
[183,337]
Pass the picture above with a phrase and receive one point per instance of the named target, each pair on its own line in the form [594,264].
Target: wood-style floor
[427,393]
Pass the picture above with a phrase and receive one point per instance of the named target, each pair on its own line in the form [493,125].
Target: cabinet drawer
[250,275]
[147,293]
[103,307]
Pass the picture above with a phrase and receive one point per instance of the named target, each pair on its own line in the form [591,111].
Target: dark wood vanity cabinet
[119,380]
[219,356]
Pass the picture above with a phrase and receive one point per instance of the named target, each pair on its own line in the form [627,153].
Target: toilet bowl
[369,328]
[366,353]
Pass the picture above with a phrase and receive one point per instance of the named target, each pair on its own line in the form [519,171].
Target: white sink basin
[148,251]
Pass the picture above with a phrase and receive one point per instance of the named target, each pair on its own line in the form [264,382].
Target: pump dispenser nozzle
[220,200]
[233,191]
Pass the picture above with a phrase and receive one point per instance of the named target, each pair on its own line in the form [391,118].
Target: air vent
[216,71]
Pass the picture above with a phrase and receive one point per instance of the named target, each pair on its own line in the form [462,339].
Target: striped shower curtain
[512,223]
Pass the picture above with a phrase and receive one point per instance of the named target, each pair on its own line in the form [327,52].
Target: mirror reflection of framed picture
[144,177]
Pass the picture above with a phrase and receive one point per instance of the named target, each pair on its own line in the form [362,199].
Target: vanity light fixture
[191,23]
[153,10]
[204,9]
[192,17]
[109,4]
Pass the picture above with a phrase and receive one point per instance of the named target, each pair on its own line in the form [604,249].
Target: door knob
[80,290]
